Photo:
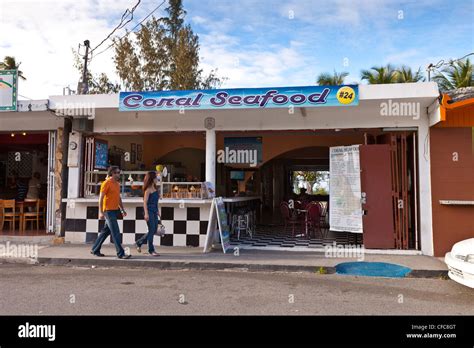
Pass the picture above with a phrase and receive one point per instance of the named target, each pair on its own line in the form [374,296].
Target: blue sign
[245,144]
[101,160]
[240,98]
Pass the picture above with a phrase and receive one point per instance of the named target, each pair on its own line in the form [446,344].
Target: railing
[132,184]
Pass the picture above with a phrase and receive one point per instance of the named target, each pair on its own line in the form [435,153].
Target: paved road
[52,290]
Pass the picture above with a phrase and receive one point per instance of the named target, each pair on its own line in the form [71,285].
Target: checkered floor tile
[275,236]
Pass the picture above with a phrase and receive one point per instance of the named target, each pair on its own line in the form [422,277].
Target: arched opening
[294,172]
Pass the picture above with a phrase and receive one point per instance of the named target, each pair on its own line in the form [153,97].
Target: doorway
[26,186]
[388,181]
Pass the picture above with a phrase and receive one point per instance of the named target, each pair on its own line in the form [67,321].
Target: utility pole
[84,88]
[430,66]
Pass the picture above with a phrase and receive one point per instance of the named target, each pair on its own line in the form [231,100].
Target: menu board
[218,219]
[345,189]
[101,155]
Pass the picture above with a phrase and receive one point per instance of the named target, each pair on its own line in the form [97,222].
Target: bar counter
[185,220]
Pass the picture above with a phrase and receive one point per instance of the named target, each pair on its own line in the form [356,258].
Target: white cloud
[42,34]
[262,66]
[199,20]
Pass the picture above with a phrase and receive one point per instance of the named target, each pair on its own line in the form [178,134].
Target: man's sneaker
[124,256]
[98,254]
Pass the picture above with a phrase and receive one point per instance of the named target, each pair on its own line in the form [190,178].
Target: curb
[428,273]
[177,265]
[215,266]
[19,260]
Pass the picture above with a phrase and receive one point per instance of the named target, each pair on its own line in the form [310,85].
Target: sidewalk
[250,260]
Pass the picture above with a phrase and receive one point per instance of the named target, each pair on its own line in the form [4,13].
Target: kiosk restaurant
[297,167]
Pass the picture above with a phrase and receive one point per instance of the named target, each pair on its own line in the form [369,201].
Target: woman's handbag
[160,230]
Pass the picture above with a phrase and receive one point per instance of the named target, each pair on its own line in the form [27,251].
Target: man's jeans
[111,227]
[152,227]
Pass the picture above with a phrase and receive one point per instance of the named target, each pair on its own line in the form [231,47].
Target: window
[315,182]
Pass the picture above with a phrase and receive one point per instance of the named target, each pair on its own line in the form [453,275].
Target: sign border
[14,104]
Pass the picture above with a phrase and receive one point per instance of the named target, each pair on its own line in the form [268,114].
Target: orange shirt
[111,190]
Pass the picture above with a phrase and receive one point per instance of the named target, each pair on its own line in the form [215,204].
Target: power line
[435,67]
[135,27]
[120,25]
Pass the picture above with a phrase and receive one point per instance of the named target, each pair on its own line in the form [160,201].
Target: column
[425,223]
[211,156]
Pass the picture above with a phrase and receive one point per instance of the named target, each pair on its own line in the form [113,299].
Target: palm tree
[326,79]
[405,74]
[458,74]
[379,75]
[9,63]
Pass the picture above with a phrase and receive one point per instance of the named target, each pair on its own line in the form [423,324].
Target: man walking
[110,206]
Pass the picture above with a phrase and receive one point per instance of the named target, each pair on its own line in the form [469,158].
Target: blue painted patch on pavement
[372,269]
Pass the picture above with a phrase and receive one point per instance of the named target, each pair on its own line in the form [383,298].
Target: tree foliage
[390,74]
[98,84]
[457,75]
[327,79]
[164,54]
[9,63]
[405,74]
[380,75]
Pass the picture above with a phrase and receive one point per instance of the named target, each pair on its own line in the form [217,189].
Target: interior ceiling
[19,139]
[307,152]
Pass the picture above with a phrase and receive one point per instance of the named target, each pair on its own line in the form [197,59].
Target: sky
[252,43]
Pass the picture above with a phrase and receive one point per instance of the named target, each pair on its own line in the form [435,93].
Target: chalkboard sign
[218,218]
[223,225]
[101,154]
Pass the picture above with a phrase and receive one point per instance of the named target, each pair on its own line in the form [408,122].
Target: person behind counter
[150,207]
[34,186]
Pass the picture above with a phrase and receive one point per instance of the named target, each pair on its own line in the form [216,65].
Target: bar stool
[241,221]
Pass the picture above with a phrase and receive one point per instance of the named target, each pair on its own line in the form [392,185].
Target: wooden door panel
[376,183]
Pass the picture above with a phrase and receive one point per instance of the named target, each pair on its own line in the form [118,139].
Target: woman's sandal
[154,254]
[139,248]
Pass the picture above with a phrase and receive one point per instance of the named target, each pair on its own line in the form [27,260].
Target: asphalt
[176,258]
[58,290]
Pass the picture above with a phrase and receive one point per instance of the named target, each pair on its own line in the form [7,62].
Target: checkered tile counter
[186,224]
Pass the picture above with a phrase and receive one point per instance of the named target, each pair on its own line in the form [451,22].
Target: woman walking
[150,207]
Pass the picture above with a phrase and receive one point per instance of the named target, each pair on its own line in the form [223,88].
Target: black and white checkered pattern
[188,227]
[184,226]
[276,237]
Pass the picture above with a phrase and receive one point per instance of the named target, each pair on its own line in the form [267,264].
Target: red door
[376,185]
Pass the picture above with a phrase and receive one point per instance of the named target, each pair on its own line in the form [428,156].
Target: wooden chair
[10,214]
[2,218]
[324,214]
[31,216]
[42,212]
[314,217]
[289,219]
